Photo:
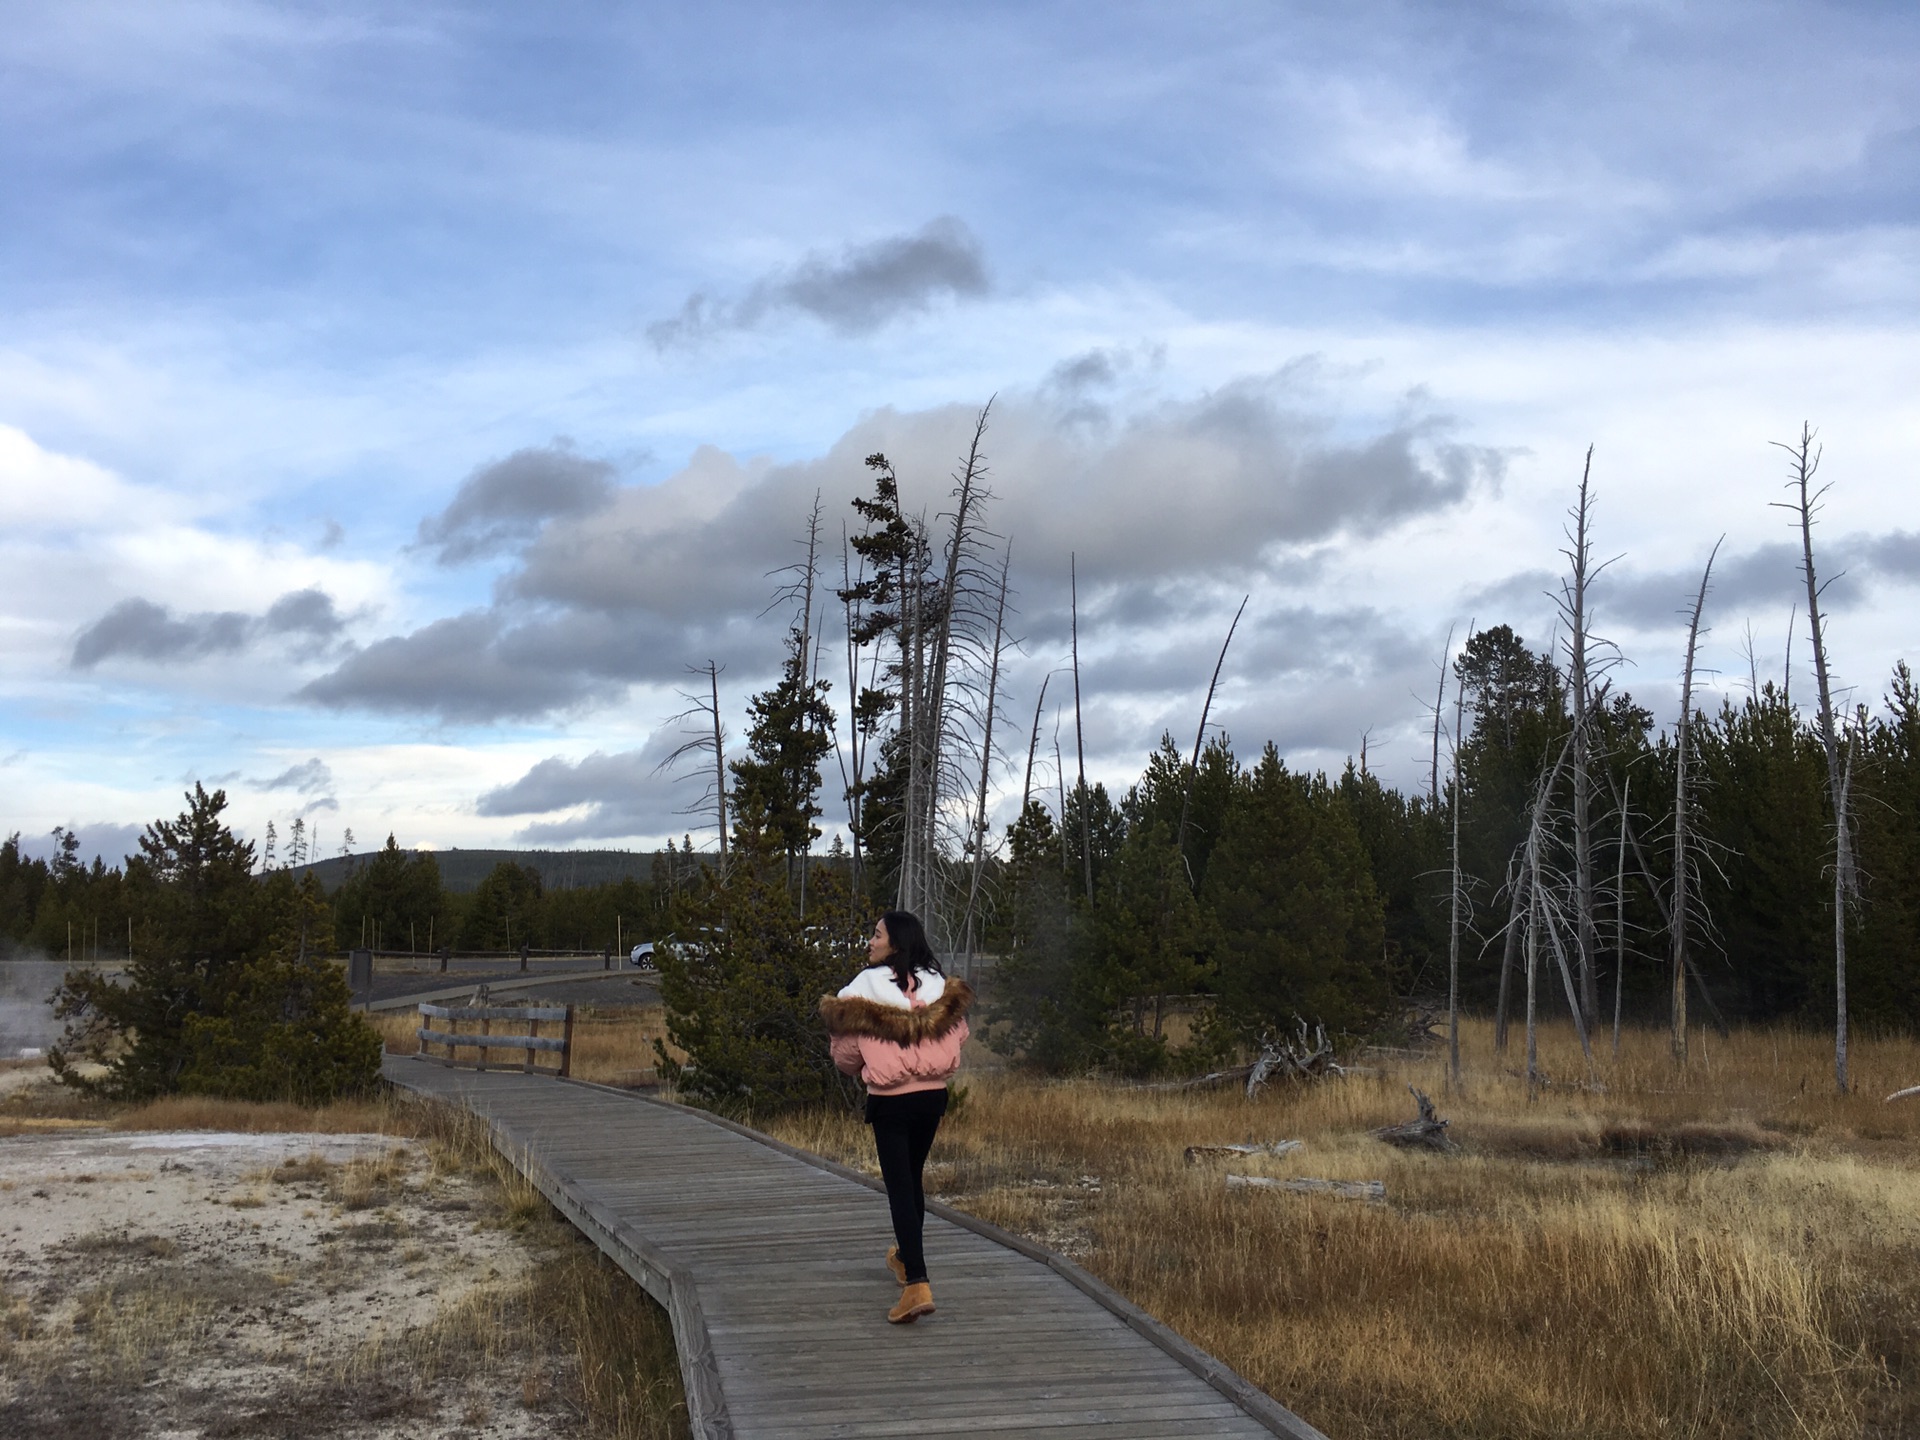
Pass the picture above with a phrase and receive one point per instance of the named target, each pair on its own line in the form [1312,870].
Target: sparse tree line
[392,900]
[1567,857]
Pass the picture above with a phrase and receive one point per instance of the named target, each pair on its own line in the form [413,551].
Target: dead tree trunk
[856,738]
[808,673]
[986,760]
[1802,465]
[1456,897]
[1033,743]
[705,710]
[1533,967]
[1620,918]
[1428,1132]
[1666,916]
[1536,911]
[908,629]
[1574,602]
[1079,735]
[1193,766]
[1683,735]
[1566,978]
[1509,950]
[1439,703]
[939,620]
[1060,778]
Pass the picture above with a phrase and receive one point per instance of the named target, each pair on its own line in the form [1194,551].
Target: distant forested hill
[461,871]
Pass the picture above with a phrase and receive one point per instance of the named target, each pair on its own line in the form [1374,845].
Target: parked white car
[642,955]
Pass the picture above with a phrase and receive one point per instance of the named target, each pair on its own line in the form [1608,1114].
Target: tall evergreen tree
[1302,931]
[776,784]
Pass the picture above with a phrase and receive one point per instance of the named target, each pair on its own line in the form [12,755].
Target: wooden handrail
[532,1043]
[496,1012]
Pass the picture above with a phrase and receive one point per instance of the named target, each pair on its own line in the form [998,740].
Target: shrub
[743,984]
[225,995]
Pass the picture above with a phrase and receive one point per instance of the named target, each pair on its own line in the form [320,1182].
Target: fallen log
[1906,1094]
[1276,1147]
[1428,1132]
[1374,1192]
[1217,1077]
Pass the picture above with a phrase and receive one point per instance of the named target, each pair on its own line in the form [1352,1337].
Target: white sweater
[875,983]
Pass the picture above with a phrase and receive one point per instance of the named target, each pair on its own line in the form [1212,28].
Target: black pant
[903,1131]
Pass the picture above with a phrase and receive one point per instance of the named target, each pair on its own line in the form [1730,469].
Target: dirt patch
[1693,1141]
[275,1285]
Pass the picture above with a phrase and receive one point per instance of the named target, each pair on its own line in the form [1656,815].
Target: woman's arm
[846,1054]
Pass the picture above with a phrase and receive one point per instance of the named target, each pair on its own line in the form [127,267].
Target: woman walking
[899,1026]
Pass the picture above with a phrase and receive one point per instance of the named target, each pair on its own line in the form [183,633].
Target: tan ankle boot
[915,1301]
[898,1270]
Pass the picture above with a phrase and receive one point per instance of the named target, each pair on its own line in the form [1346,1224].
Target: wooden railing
[533,1043]
[446,954]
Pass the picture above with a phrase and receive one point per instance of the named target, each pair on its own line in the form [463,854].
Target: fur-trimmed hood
[854,1015]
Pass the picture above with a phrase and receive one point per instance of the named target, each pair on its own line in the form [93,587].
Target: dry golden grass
[1732,1250]
[55,1107]
[612,1045]
[625,1375]
[373,1116]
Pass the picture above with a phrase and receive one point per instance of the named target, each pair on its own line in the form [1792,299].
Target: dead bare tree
[1456,894]
[937,605]
[1666,913]
[1554,920]
[1439,700]
[1079,735]
[1786,665]
[1533,969]
[1511,933]
[1060,778]
[1803,464]
[1620,915]
[1544,912]
[800,591]
[1683,734]
[947,614]
[1033,743]
[1427,1132]
[1199,736]
[711,736]
[979,838]
[851,587]
[1574,608]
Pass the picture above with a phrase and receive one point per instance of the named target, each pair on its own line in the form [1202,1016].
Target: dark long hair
[911,952]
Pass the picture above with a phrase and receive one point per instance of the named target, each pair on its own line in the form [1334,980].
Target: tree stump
[1428,1132]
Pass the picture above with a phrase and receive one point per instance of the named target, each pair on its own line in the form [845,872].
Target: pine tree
[776,784]
[1301,924]
[226,994]
[743,982]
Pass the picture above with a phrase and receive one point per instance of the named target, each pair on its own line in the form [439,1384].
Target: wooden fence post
[566,1048]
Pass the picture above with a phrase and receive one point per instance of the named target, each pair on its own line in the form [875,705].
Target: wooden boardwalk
[770,1263]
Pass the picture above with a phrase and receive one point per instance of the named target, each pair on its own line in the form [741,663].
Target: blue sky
[395,399]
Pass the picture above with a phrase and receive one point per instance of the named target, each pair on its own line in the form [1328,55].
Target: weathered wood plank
[491,1042]
[495,1012]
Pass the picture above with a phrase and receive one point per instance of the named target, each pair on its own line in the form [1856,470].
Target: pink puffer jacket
[897,1048]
